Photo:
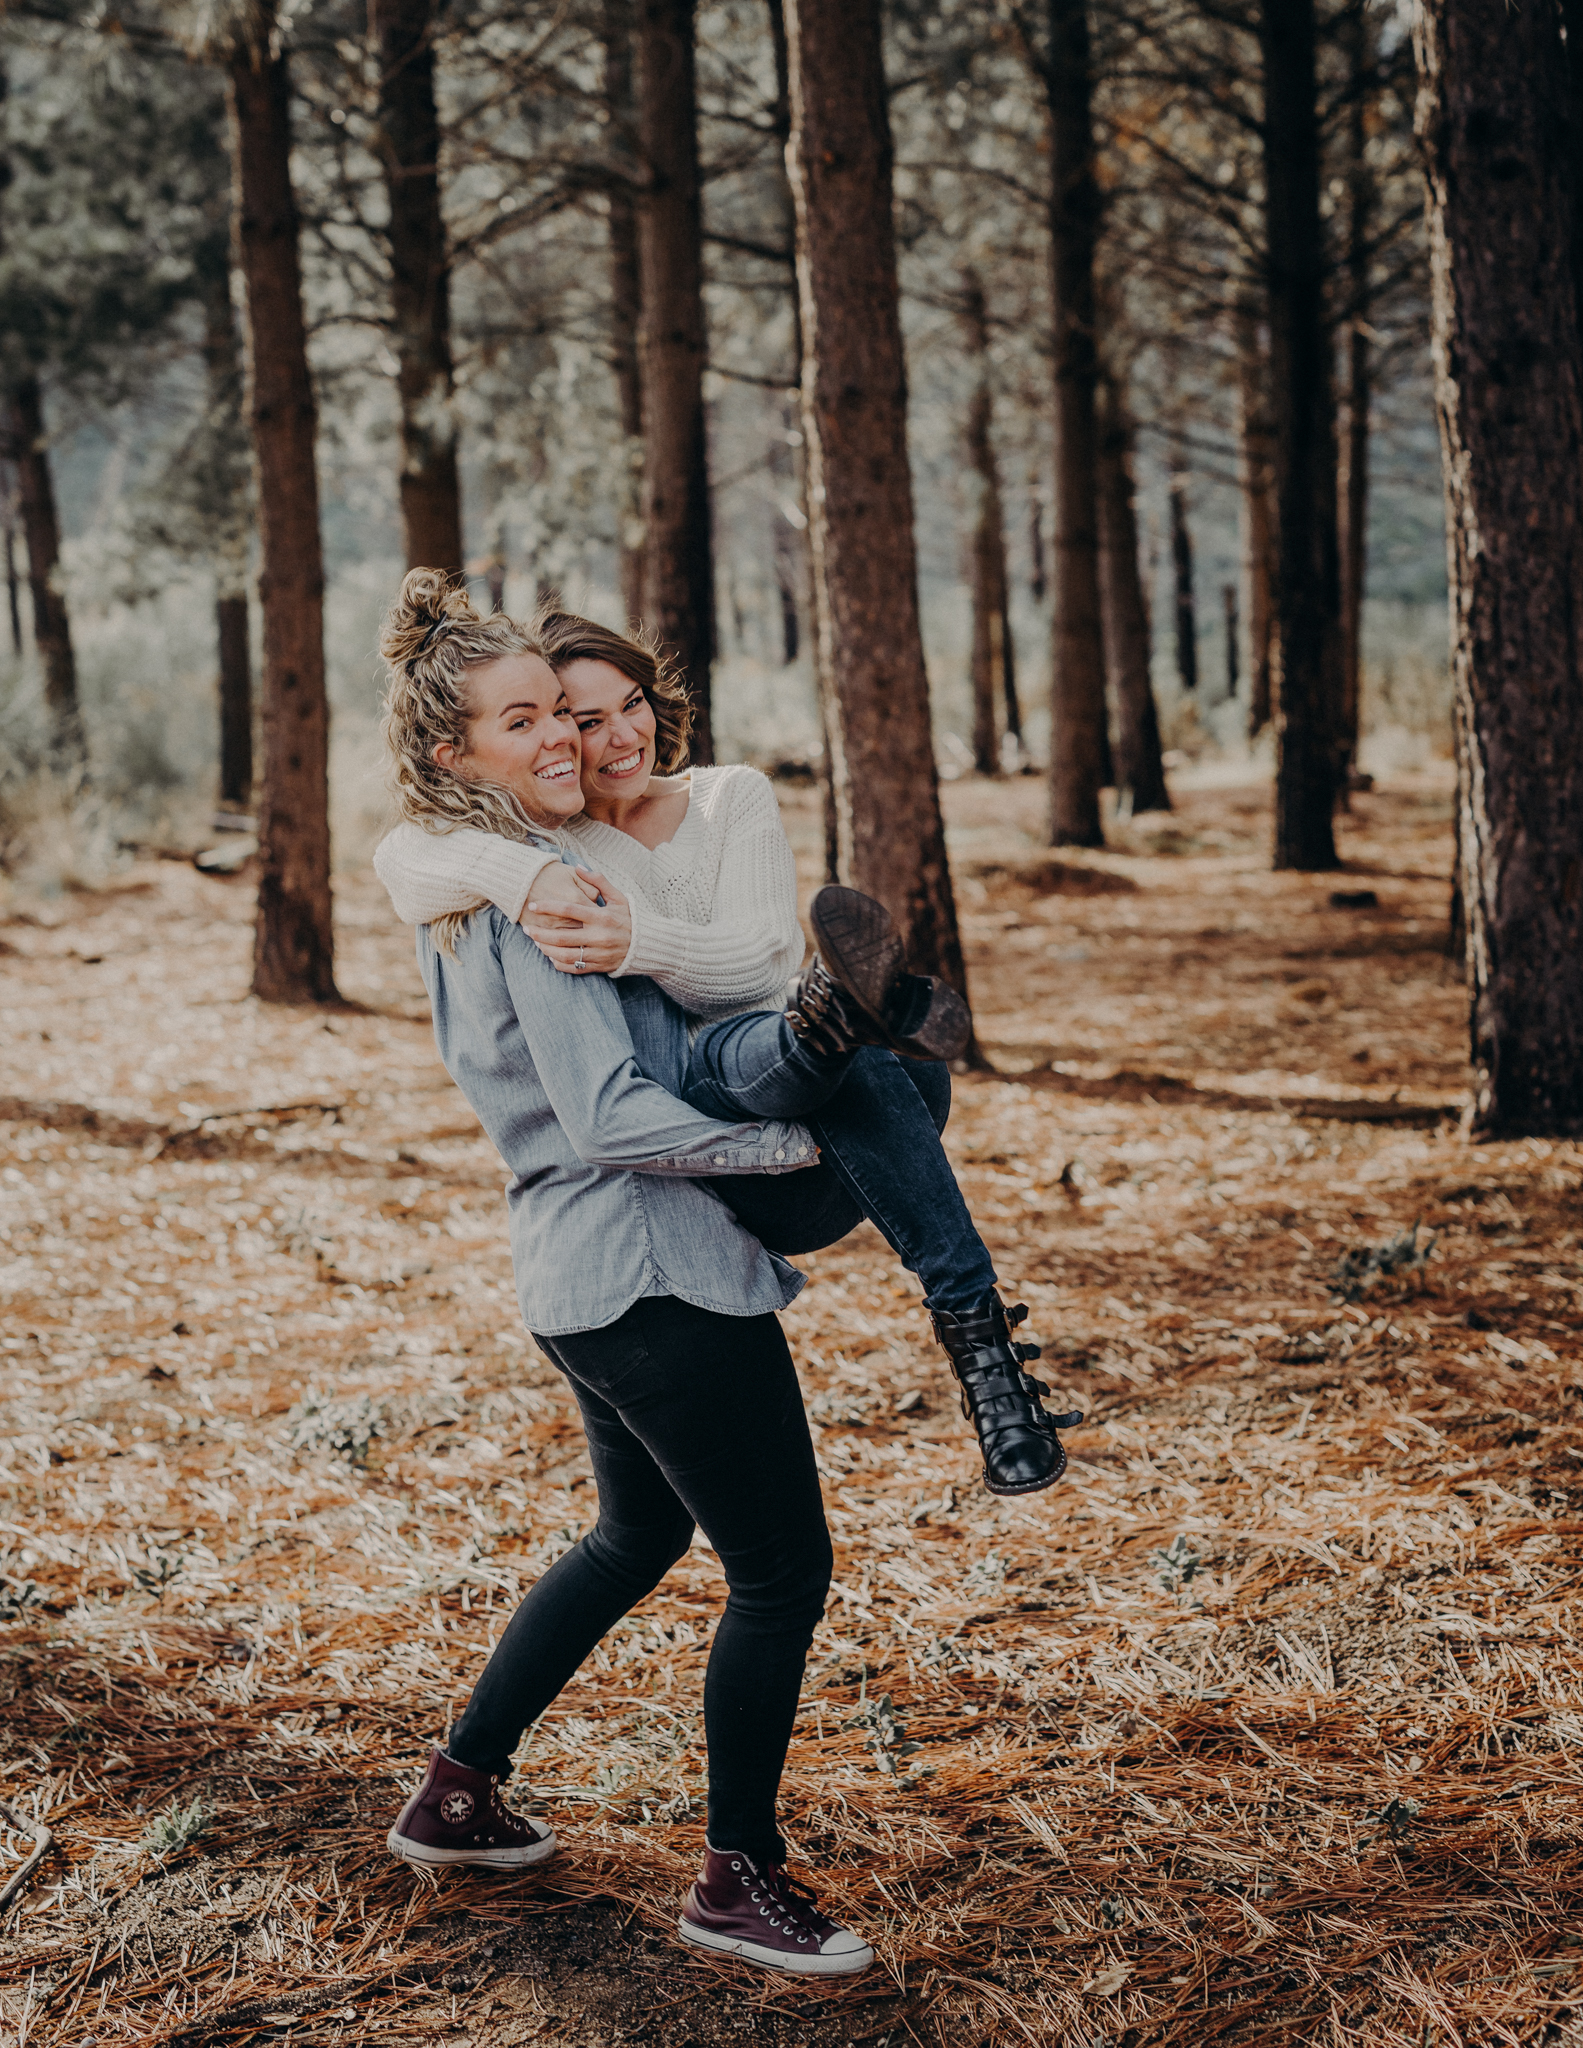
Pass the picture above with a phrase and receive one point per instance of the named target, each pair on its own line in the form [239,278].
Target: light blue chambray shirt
[574,1079]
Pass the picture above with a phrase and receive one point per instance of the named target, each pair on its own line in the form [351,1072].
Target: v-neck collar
[586,826]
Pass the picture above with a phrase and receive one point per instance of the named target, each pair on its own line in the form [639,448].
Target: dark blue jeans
[877,1120]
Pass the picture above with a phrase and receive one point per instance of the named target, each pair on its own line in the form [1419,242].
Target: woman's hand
[570,927]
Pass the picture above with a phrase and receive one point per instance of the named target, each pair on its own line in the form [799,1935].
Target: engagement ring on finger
[579,960]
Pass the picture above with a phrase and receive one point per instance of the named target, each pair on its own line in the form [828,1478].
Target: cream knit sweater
[714,910]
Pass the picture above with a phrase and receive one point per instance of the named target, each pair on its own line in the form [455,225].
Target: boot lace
[819,1015]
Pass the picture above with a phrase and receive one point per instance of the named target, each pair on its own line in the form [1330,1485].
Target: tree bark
[1140,773]
[226,377]
[1078,733]
[293,945]
[865,570]
[420,281]
[991,672]
[678,543]
[1184,602]
[1495,124]
[51,622]
[1308,580]
[626,301]
[1257,515]
[1354,491]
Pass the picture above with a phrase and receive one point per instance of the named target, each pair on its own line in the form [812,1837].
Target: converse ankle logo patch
[457,1807]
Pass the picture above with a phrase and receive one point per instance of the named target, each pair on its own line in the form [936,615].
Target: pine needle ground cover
[1265,1726]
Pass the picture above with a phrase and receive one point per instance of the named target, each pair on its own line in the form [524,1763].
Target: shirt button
[719,1159]
[781,1153]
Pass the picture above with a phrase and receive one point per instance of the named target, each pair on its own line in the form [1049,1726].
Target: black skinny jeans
[692,1417]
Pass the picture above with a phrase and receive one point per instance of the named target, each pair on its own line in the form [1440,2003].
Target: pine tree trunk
[1038,575]
[420,281]
[236,703]
[865,570]
[678,545]
[51,623]
[1140,773]
[1079,740]
[1229,609]
[1354,491]
[824,682]
[1308,678]
[991,643]
[1008,661]
[1184,606]
[1257,516]
[626,302]
[1494,122]
[227,386]
[13,588]
[293,945]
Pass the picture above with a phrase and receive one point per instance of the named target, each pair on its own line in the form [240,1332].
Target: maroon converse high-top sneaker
[755,1911]
[458,1816]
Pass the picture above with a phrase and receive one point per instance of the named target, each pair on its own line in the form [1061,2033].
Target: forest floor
[1265,1726]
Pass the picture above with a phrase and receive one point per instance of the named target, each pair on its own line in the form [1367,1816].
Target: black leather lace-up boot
[857,992]
[826,1019]
[1022,1453]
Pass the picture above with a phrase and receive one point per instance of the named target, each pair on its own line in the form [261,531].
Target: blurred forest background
[516,375]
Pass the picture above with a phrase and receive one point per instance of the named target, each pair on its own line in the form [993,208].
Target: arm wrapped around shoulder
[436,874]
[752,945]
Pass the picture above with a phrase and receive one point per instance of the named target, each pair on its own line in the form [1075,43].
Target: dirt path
[1265,1725]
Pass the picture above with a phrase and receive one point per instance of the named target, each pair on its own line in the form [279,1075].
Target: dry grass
[1266,1726]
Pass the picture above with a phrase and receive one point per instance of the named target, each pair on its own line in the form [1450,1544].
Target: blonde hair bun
[429,600]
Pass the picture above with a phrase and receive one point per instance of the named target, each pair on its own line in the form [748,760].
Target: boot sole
[774,1958]
[842,920]
[1033,1486]
[479,1859]
[859,943]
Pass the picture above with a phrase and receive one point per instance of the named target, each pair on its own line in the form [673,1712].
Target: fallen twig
[43,1842]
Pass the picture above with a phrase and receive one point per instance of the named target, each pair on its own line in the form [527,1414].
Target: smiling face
[617,726]
[521,736]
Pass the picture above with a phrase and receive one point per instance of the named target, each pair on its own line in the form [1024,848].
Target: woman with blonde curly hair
[654,1302]
[655,1299]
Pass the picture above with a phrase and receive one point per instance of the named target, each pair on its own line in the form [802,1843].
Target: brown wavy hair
[562,637]
[431,636]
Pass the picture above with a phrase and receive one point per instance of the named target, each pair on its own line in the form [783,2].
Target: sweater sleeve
[752,946]
[431,874]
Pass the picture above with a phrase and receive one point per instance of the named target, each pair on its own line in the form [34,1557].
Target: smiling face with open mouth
[521,737]
[617,725]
